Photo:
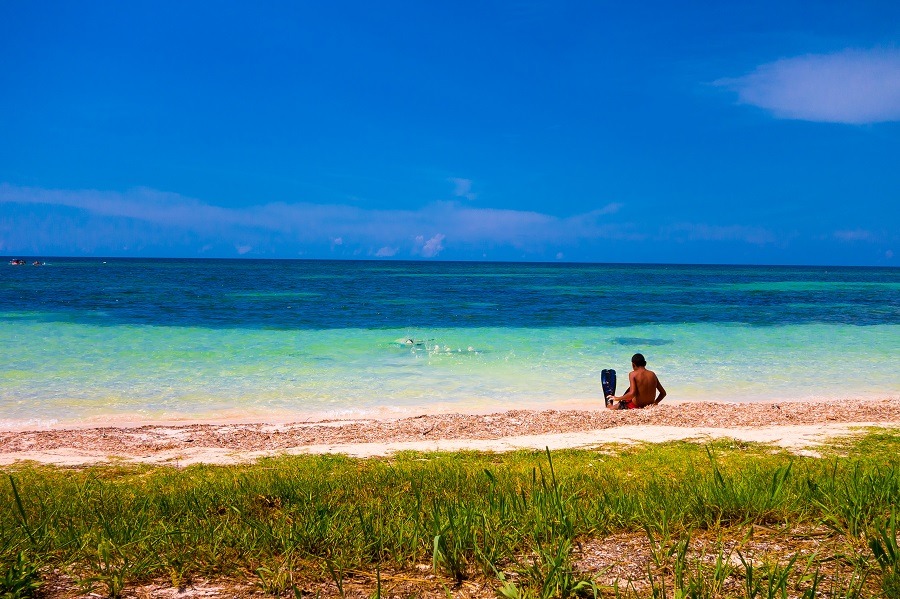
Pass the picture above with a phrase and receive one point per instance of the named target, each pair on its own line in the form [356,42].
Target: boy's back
[644,385]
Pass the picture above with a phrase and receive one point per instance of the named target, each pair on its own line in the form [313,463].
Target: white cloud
[154,215]
[855,235]
[243,249]
[147,221]
[706,232]
[609,209]
[462,188]
[433,246]
[851,86]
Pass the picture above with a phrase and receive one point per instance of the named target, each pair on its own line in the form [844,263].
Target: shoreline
[232,417]
[798,426]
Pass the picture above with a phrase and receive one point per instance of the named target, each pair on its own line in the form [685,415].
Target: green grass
[517,521]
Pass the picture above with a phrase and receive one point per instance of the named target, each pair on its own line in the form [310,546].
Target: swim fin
[608,382]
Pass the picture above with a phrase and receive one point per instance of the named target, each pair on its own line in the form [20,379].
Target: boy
[642,388]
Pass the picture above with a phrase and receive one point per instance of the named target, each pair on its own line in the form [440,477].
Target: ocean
[94,341]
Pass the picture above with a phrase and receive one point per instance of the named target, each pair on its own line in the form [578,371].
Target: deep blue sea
[84,341]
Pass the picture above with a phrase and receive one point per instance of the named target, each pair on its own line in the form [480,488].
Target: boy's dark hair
[638,360]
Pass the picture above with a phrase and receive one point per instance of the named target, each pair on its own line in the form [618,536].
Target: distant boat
[38,263]
[17,262]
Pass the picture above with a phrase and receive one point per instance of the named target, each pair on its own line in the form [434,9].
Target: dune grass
[517,523]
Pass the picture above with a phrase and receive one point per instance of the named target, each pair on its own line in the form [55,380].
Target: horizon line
[438,260]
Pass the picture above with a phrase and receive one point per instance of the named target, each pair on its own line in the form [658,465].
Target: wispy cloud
[89,220]
[386,252]
[148,221]
[851,86]
[609,209]
[855,235]
[462,188]
[433,246]
[707,232]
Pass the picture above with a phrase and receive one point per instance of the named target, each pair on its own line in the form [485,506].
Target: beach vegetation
[675,520]
[21,578]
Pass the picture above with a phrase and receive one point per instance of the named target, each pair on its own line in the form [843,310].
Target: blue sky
[760,133]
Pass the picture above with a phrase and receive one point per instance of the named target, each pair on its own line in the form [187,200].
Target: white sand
[800,439]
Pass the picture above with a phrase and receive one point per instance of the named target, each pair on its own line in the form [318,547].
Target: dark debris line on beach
[257,437]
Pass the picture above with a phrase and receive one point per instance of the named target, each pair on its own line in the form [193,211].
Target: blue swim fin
[608,381]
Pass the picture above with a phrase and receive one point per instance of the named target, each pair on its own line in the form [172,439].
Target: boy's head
[638,360]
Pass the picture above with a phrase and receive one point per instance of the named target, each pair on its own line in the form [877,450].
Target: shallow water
[89,341]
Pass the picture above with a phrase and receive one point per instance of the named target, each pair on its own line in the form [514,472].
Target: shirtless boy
[642,389]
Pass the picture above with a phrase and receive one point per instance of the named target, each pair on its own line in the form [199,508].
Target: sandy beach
[797,426]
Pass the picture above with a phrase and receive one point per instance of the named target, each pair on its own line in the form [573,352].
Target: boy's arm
[662,392]
[629,393]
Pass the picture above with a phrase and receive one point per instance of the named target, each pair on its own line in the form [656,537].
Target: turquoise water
[83,341]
